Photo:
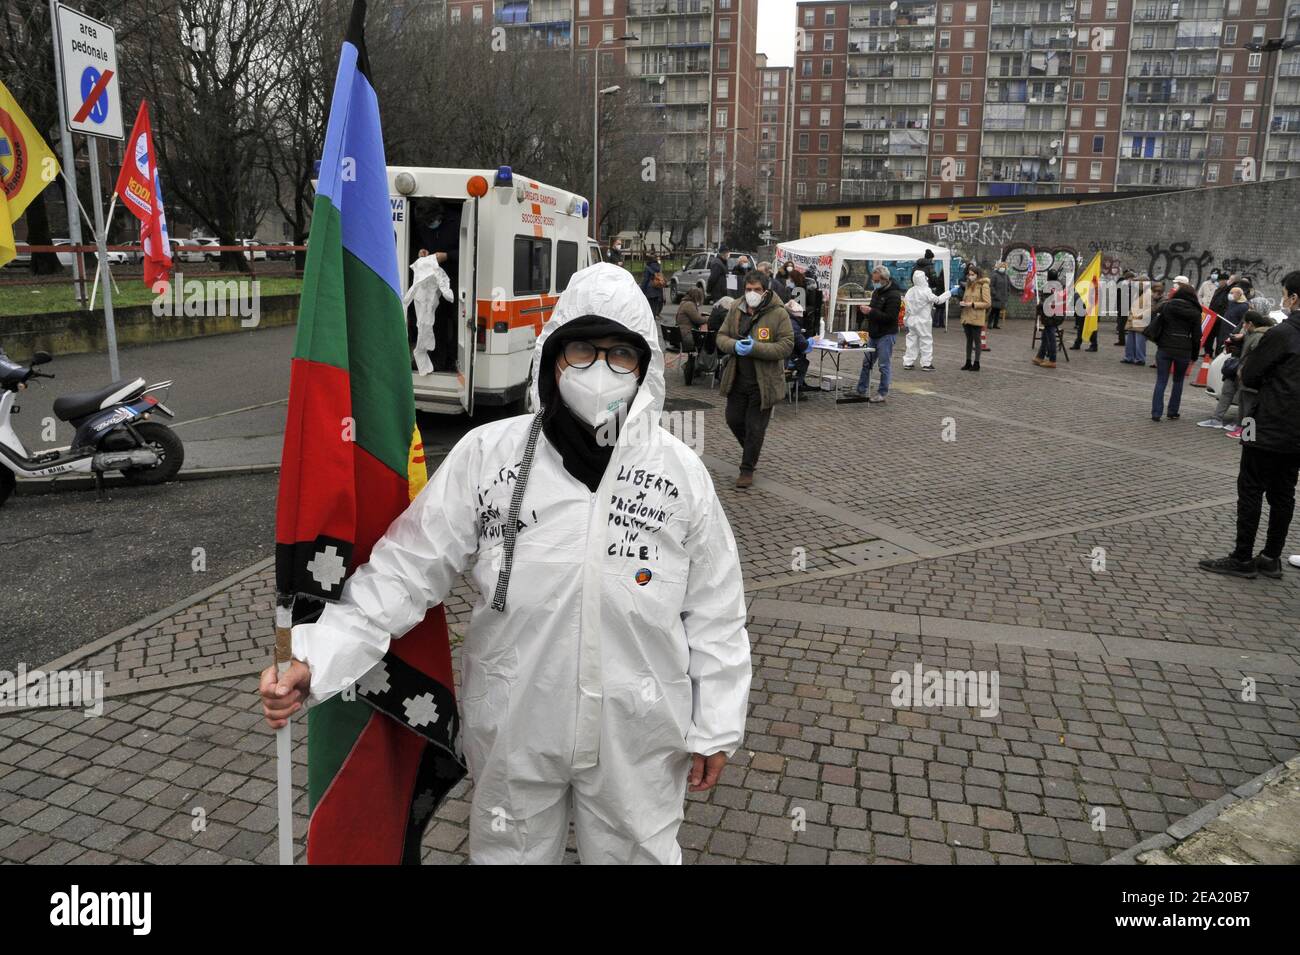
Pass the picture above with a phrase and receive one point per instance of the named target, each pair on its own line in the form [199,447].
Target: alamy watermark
[40,688]
[936,689]
[180,297]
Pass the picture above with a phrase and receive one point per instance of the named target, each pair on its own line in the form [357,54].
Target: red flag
[1208,318]
[140,191]
[1031,280]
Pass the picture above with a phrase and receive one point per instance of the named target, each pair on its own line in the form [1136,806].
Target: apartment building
[775,113]
[904,100]
[695,64]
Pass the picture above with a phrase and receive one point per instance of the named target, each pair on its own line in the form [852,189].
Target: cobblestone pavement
[1052,543]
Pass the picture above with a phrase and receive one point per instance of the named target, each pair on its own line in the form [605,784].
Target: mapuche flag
[377,766]
[139,188]
[1031,280]
[26,167]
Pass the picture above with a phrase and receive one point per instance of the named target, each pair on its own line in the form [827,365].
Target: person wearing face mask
[1270,453]
[999,292]
[879,320]
[758,335]
[606,670]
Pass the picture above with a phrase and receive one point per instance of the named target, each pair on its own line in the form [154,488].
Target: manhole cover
[686,404]
[866,551]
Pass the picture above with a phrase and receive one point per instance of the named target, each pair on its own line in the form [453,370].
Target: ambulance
[510,245]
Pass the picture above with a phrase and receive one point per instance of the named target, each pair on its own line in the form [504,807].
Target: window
[1076,116]
[809,18]
[1098,145]
[823,167]
[963,117]
[801,188]
[584,37]
[566,263]
[941,91]
[1094,171]
[1243,145]
[724,57]
[1072,144]
[477,16]
[940,117]
[962,140]
[1107,64]
[1112,9]
[455,15]
[1230,34]
[1225,89]
[967,65]
[826,92]
[968,40]
[803,141]
[829,19]
[724,87]
[941,66]
[823,142]
[1251,91]
[532,265]
[805,117]
[970,12]
[1072,169]
[842,222]
[902,218]
[938,142]
[821,190]
[1225,62]
[1261,8]
[801,167]
[1247,119]
[609,8]
[964,92]
[825,118]
[720,118]
[828,67]
[1103,90]
[947,13]
[1099,118]
[1220,119]
[960,167]
[1253,62]
[724,28]
[945,39]
[805,92]
[1078,90]
[1212,172]
[828,43]
[1080,63]
[870,221]
[1085,9]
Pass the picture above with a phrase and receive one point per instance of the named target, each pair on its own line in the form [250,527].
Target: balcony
[880,96]
[1024,38]
[1163,152]
[898,119]
[1147,11]
[1029,94]
[881,17]
[1169,66]
[1191,94]
[1160,121]
[1144,176]
[1017,12]
[642,9]
[891,42]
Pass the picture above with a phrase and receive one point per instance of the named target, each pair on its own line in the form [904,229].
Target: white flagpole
[283,740]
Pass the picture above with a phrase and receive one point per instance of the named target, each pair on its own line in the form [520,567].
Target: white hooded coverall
[622,649]
[919,319]
[429,283]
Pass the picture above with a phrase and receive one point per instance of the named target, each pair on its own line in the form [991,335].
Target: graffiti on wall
[1167,261]
[974,232]
[1063,259]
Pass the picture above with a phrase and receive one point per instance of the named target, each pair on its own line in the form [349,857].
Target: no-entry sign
[88,76]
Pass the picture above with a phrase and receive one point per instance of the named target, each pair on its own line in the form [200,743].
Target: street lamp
[1270,49]
[595,127]
[722,182]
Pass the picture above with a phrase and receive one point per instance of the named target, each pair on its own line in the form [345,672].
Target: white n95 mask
[753,298]
[597,393]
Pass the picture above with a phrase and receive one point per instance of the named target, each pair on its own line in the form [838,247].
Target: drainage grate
[866,551]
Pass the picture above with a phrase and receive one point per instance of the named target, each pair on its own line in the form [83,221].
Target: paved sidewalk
[1052,543]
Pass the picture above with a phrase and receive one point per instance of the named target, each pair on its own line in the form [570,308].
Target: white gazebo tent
[833,249]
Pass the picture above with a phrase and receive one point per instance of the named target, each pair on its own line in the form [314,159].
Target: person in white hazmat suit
[919,303]
[607,666]
[429,283]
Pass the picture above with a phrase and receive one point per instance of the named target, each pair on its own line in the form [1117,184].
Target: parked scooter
[113,432]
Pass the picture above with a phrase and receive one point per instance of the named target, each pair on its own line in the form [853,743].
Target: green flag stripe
[379,360]
[333,728]
[322,320]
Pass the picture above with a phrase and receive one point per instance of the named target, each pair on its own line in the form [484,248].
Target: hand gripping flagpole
[283,749]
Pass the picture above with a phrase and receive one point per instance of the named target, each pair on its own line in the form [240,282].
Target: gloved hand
[954,290]
[809,349]
[744,346]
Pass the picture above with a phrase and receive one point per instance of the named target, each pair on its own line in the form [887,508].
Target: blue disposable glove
[954,290]
[744,346]
[809,349]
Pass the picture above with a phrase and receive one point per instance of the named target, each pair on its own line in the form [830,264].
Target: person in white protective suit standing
[919,304]
[607,665]
[429,284]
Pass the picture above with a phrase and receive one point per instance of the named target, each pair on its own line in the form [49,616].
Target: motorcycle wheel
[171,454]
[7,484]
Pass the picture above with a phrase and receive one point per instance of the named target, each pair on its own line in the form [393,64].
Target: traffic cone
[984,339]
[1202,376]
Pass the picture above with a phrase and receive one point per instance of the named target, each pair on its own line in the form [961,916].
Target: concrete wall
[1250,228]
[76,332]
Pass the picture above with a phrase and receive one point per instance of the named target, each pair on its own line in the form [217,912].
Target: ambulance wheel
[7,484]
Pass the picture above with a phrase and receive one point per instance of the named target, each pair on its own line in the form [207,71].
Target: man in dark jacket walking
[717,283]
[934,276]
[1176,330]
[1270,459]
[880,321]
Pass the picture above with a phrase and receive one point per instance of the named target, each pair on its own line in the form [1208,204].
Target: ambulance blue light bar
[505,177]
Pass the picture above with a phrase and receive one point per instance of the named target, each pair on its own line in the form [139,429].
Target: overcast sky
[776,28]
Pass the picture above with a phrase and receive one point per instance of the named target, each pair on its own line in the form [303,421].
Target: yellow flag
[1087,287]
[27,166]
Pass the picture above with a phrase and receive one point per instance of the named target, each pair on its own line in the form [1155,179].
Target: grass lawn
[59,296]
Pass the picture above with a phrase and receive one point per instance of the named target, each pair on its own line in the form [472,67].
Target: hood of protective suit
[610,292]
[919,280]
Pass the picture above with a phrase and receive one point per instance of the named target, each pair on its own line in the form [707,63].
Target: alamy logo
[74,908]
[191,298]
[42,688]
[941,688]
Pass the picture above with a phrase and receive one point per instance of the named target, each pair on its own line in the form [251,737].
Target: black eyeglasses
[622,359]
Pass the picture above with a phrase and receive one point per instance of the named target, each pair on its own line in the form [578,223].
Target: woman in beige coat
[1139,317]
[976,301]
